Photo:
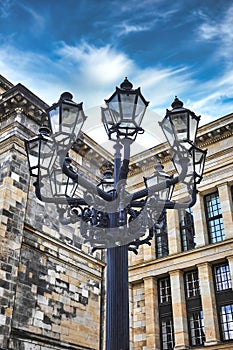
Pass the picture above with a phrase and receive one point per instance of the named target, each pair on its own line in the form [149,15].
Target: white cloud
[90,73]
[220,29]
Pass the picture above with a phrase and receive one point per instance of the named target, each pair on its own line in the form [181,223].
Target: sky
[169,48]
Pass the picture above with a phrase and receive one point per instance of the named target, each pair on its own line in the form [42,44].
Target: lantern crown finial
[66,96]
[177,103]
[126,85]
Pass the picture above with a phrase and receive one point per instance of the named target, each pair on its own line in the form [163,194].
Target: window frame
[165,313]
[187,229]
[224,298]
[161,239]
[217,219]
[194,308]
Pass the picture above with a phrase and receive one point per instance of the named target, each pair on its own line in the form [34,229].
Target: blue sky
[87,47]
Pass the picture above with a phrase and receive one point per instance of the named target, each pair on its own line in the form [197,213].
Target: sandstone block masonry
[50,283]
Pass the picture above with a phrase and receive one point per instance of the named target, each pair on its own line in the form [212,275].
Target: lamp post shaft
[117,300]
[117,313]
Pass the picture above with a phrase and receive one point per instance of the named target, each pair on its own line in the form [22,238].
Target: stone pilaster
[227,210]
[208,304]
[174,241]
[179,310]
[201,231]
[152,314]
[13,187]
[149,251]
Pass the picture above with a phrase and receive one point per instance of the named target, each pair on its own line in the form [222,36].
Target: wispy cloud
[125,28]
[5,6]
[91,74]
[37,20]
[219,29]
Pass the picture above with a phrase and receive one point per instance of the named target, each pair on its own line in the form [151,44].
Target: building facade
[52,287]
[181,285]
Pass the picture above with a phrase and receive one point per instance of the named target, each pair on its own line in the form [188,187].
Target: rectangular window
[164,290]
[192,284]
[222,277]
[194,309]
[167,334]
[196,325]
[165,314]
[224,300]
[226,319]
[187,231]
[161,239]
[214,218]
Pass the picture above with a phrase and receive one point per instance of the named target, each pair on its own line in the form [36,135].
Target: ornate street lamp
[111,217]
[124,112]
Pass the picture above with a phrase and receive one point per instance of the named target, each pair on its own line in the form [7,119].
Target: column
[200,226]
[179,310]
[149,251]
[173,227]
[208,304]
[226,205]
[152,314]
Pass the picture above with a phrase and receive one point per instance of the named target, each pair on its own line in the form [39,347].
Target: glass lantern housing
[66,118]
[40,153]
[159,176]
[124,112]
[199,157]
[107,182]
[180,125]
[61,184]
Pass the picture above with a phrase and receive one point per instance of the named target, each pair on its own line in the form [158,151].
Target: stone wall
[50,282]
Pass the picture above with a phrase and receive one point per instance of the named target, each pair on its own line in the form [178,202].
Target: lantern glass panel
[127,107]
[107,184]
[193,124]
[54,118]
[72,118]
[32,148]
[113,104]
[199,159]
[47,156]
[140,111]
[168,131]
[180,125]
[107,117]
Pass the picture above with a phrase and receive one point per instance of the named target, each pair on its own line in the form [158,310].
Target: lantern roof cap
[177,103]
[66,96]
[126,84]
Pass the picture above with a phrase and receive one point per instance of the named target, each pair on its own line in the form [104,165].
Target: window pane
[192,284]
[226,316]
[196,325]
[214,218]
[187,229]
[167,334]
[222,277]
[161,240]
[165,290]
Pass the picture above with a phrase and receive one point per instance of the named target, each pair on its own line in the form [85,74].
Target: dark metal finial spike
[126,85]
[177,103]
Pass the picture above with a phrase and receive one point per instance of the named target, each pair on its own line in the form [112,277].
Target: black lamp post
[109,216]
